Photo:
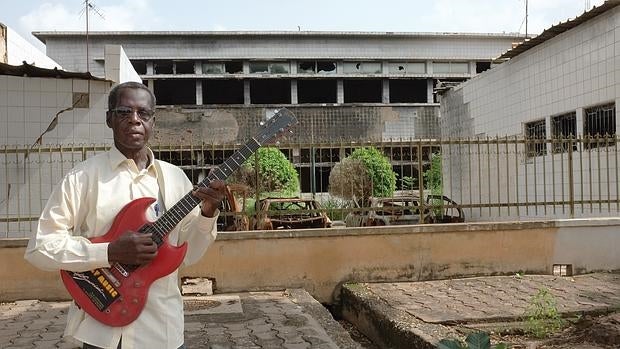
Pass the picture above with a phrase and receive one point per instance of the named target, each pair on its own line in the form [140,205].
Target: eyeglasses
[125,113]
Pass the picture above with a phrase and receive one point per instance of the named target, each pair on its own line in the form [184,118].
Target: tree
[364,167]
[432,176]
[275,173]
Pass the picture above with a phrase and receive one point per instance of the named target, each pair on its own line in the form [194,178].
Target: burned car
[404,209]
[445,210]
[396,210]
[290,213]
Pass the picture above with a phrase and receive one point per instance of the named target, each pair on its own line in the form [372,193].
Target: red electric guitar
[115,296]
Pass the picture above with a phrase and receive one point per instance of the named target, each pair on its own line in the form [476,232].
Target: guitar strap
[161,197]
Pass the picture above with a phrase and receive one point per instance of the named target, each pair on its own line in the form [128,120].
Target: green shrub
[350,180]
[276,174]
[382,177]
[478,340]
[542,317]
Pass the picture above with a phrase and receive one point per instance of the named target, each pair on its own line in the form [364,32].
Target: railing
[483,179]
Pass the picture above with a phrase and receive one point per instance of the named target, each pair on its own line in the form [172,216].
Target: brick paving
[499,297]
[290,320]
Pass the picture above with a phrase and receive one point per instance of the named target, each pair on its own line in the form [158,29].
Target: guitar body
[115,296]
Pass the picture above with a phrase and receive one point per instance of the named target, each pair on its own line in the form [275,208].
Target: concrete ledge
[385,325]
[321,260]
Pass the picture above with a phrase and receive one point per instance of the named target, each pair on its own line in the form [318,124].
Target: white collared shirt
[84,205]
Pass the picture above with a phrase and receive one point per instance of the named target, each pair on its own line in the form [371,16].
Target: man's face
[131,132]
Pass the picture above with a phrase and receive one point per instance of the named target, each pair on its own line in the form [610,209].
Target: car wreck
[290,213]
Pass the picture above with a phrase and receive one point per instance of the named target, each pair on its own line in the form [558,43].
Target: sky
[468,16]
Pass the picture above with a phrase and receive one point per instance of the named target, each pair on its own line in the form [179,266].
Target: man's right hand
[132,248]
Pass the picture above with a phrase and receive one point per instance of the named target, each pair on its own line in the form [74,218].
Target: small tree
[349,179]
[276,174]
[432,176]
[366,172]
[382,176]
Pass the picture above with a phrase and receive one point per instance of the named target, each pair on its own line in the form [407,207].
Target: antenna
[526,15]
[87,8]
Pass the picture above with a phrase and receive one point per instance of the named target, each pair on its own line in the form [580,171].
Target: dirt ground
[589,332]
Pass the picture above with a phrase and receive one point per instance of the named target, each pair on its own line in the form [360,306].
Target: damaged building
[216,87]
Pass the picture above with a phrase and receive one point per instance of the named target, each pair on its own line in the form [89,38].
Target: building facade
[342,85]
[552,104]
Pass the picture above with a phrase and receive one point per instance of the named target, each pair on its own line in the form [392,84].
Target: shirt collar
[117,158]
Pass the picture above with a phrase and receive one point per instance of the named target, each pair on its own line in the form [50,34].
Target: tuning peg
[262,123]
[290,131]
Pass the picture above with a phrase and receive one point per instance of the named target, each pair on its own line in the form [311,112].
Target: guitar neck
[166,223]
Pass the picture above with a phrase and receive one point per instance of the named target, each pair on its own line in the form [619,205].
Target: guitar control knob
[134,301]
[123,311]
[137,284]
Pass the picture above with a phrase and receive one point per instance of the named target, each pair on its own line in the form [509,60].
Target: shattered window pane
[279,68]
[306,67]
[362,67]
[326,67]
[259,67]
[235,67]
[407,67]
[212,68]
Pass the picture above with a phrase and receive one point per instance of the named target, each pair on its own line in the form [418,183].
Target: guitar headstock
[276,126]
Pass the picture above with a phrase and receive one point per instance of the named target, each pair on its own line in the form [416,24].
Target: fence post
[421,181]
[571,180]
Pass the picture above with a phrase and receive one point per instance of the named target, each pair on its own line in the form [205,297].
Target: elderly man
[84,204]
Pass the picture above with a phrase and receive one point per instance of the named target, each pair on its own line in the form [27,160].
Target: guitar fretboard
[183,207]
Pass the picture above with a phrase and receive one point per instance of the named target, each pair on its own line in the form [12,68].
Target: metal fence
[484,179]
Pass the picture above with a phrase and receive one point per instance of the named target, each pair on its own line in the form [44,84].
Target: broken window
[535,137]
[162,67]
[362,68]
[270,91]
[563,127]
[175,91]
[314,67]
[139,66]
[450,67]
[363,91]
[600,122]
[233,67]
[184,67]
[407,67]
[213,68]
[269,67]
[222,91]
[316,91]
[408,91]
[482,66]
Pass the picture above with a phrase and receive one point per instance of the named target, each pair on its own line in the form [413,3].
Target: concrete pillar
[472,68]
[294,92]
[429,67]
[197,67]
[293,67]
[339,67]
[149,67]
[198,92]
[579,121]
[246,90]
[246,67]
[429,91]
[340,91]
[548,131]
[617,104]
[385,96]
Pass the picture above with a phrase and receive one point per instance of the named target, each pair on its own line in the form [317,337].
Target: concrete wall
[118,68]
[69,49]
[321,260]
[577,69]
[19,50]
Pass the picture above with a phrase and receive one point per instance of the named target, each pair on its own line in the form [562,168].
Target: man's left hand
[211,197]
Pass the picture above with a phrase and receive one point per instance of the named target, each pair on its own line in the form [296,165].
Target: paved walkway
[499,297]
[419,314]
[260,320]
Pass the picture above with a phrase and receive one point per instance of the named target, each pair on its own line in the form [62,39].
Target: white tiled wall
[28,105]
[575,70]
